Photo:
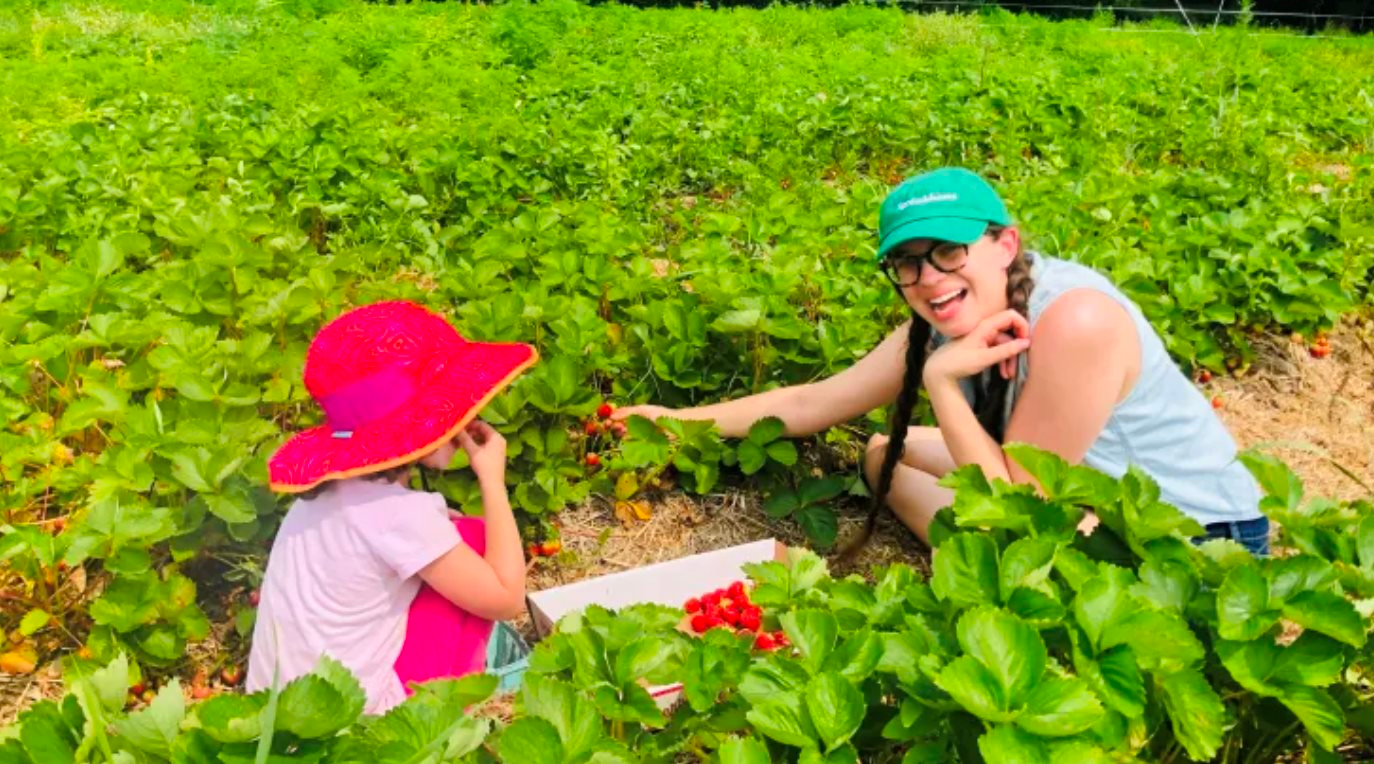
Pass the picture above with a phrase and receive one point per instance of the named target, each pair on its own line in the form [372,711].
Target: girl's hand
[999,339]
[486,451]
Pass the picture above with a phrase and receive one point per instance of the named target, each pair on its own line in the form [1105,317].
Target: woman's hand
[999,339]
[646,410]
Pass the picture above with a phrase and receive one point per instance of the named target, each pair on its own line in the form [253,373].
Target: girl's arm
[1087,357]
[872,381]
[490,586]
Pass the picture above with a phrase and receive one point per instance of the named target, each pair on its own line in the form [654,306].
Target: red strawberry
[254,597]
[731,616]
[715,621]
[1204,376]
[137,688]
[593,460]
[749,619]
[711,599]
[619,429]
[1216,402]
[693,605]
[604,410]
[736,591]
[200,692]
[533,549]
[592,428]
[230,675]
[700,623]
[551,547]
[763,642]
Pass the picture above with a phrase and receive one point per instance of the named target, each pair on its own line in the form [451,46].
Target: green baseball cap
[949,204]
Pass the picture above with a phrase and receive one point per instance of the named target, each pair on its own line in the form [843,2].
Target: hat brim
[957,230]
[457,386]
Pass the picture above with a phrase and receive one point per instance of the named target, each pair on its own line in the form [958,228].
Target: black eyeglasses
[904,269]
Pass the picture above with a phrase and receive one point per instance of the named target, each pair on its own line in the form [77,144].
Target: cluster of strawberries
[730,608]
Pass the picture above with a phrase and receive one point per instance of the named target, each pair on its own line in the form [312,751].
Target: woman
[1011,346]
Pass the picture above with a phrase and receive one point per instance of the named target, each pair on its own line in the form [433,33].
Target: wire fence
[1190,17]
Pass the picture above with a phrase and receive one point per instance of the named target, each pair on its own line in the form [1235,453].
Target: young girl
[382,578]
[1011,346]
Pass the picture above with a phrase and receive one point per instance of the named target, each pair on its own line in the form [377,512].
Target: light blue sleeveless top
[1165,426]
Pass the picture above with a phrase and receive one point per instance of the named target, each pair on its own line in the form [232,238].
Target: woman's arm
[872,381]
[1086,358]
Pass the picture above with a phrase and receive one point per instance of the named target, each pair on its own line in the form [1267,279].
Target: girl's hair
[385,476]
[989,401]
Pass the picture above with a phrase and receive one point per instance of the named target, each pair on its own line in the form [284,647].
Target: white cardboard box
[668,583]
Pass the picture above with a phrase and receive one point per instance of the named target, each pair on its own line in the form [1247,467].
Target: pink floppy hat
[395,381]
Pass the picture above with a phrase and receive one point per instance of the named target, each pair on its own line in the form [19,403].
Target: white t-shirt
[340,580]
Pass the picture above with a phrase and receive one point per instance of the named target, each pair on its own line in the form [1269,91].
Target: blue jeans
[1251,534]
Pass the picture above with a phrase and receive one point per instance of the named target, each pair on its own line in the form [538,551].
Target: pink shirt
[340,581]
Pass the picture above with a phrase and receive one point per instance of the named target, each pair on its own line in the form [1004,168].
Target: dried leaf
[21,660]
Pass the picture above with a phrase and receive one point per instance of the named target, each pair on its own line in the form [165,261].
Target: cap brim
[957,230]
[453,390]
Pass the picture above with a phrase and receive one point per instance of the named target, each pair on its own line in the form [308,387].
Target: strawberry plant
[1028,642]
[673,206]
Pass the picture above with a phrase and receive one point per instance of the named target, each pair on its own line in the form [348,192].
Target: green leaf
[752,457]
[814,632]
[857,656]
[1115,676]
[558,703]
[744,750]
[33,621]
[1166,584]
[629,704]
[772,677]
[1243,605]
[820,525]
[45,735]
[1319,713]
[738,321]
[1312,659]
[1364,542]
[1026,563]
[781,504]
[1036,607]
[974,688]
[1009,745]
[1008,647]
[836,708]
[1327,613]
[784,718]
[232,718]
[1251,664]
[1160,639]
[642,658]
[965,571]
[783,452]
[1059,707]
[813,489]
[766,430]
[1282,487]
[531,740]
[1102,600]
[112,683]
[154,729]
[1289,576]
[1195,711]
